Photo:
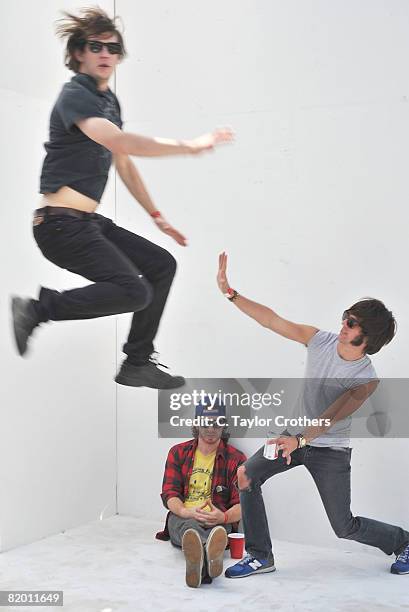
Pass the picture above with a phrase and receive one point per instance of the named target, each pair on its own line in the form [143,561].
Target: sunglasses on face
[351,322]
[95,46]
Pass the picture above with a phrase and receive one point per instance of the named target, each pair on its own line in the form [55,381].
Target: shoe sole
[193,550]
[128,382]
[215,547]
[397,572]
[134,382]
[266,570]
[16,313]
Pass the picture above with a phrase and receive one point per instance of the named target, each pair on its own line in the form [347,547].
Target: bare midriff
[66,197]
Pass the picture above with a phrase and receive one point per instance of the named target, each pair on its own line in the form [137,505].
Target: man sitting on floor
[199,491]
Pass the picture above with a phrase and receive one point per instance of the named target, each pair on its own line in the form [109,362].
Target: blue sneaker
[249,566]
[401,565]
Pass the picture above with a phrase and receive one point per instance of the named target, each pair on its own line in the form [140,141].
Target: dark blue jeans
[331,471]
[129,274]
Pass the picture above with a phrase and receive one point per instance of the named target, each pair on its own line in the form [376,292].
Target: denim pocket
[37,220]
[53,233]
[46,227]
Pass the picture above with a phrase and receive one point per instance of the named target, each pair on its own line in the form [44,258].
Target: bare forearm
[176,506]
[234,514]
[271,320]
[144,146]
[136,187]
[107,134]
[345,405]
[262,314]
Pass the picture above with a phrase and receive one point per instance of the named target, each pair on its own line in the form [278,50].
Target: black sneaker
[147,375]
[24,321]
[206,579]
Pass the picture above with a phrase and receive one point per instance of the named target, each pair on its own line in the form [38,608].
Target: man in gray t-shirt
[339,378]
[327,377]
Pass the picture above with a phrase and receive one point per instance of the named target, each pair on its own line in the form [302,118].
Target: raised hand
[221,274]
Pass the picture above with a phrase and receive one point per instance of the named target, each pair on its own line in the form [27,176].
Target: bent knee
[345,530]
[243,480]
[169,262]
[165,262]
[140,293]
[341,533]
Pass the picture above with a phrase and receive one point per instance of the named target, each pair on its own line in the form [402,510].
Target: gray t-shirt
[327,377]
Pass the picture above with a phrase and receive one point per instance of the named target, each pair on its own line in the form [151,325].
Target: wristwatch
[231,294]
[301,440]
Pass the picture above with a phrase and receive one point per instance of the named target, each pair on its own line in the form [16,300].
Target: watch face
[301,440]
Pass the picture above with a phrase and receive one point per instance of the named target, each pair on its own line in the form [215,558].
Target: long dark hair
[92,21]
[377,323]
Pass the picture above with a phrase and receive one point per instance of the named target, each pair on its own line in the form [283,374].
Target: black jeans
[331,471]
[129,274]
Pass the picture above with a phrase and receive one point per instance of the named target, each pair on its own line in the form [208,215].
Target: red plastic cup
[236,541]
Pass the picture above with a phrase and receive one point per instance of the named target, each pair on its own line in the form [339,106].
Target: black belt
[57,211]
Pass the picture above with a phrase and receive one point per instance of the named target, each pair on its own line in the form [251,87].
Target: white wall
[58,437]
[310,204]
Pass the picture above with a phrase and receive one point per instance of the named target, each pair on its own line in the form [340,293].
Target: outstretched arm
[262,314]
[107,134]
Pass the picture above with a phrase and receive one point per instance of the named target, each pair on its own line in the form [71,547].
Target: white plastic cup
[270,449]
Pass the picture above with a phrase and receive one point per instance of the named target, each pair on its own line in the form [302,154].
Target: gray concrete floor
[116,565]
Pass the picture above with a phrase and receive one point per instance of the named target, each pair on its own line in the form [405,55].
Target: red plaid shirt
[178,470]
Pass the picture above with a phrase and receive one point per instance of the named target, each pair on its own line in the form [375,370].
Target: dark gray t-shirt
[327,377]
[72,158]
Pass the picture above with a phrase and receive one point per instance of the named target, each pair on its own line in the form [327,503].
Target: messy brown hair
[92,21]
[377,323]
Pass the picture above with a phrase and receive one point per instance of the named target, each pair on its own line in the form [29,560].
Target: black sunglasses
[351,322]
[95,46]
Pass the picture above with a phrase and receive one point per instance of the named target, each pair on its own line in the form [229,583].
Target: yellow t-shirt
[200,482]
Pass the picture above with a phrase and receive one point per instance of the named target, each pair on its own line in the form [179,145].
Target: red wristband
[156,214]
[225,517]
